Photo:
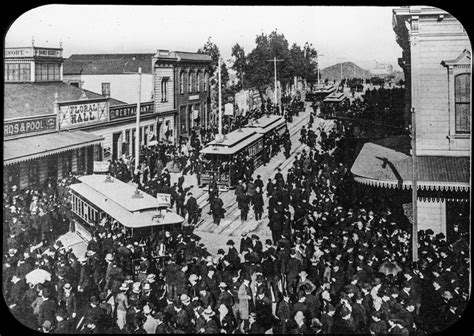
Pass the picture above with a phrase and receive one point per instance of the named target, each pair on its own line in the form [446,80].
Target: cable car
[269,125]
[103,197]
[219,154]
[333,104]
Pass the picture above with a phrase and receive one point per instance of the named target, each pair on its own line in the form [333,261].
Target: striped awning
[30,148]
[388,164]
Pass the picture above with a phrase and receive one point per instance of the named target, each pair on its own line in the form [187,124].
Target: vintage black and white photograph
[236,170]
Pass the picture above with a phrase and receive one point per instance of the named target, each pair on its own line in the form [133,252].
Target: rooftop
[32,99]
[102,64]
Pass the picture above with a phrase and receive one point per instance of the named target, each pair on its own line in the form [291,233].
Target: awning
[388,163]
[34,147]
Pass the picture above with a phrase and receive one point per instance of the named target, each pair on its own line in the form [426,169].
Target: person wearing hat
[210,325]
[205,296]
[93,313]
[217,209]
[192,209]
[245,242]
[68,301]
[344,323]
[46,327]
[377,326]
[47,310]
[122,305]
[257,246]
[151,322]
[243,204]
[244,296]
[182,318]
[225,296]
[232,254]
[252,325]
[397,327]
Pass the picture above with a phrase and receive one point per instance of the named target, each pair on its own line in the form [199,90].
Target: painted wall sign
[76,115]
[32,51]
[194,97]
[124,111]
[27,126]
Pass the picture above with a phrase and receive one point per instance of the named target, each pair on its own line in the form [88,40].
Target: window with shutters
[462,103]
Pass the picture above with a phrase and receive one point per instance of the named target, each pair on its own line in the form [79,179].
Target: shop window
[462,101]
[81,160]
[181,82]
[33,174]
[106,89]
[67,164]
[19,72]
[164,89]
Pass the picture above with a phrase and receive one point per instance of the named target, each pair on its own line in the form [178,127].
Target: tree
[240,62]
[212,50]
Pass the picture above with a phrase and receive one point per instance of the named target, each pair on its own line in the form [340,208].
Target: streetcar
[99,198]
[334,104]
[269,125]
[219,154]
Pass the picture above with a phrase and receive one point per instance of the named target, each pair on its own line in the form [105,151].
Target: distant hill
[334,71]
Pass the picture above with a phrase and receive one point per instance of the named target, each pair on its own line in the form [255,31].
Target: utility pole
[318,55]
[414,188]
[220,99]
[137,130]
[275,70]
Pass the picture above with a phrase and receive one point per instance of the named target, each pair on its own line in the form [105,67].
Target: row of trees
[255,69]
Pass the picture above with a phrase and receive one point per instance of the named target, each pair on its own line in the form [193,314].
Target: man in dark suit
[192,209]
[257,246]
[243,202]
[245,242]
[232,255]
[47,310]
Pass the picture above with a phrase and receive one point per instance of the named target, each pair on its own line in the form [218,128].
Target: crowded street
[284,199]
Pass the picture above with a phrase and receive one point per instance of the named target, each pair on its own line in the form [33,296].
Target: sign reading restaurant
[29,125]
[77,114]
[124,111]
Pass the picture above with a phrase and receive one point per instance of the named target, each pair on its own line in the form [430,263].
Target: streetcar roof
[138,219]
[119,192]
[335,97]
[264,124]
[247,136]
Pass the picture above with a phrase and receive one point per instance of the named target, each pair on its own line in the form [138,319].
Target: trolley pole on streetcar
[414,188]
[274,60]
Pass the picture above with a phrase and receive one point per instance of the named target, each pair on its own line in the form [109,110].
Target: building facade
[436,61]
[35,147]
[181,91]
[113,75]
[116,75]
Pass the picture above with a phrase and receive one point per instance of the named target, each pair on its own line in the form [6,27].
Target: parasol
[390,267]
[38,276]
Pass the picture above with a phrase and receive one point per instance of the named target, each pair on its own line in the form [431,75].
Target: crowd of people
[337,263]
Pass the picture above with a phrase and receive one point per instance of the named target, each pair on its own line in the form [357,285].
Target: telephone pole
[414,188]
[274,60]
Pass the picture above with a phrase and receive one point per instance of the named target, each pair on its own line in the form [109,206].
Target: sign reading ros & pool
[74,114]
[30,125]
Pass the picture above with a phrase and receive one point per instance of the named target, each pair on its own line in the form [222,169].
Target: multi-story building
[436,61]
[114,75]
[181,86]
[35,148]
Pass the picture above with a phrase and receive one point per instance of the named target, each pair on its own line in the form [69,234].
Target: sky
[358,34]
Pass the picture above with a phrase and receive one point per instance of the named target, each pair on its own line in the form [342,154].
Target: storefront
[32,155]
[119,131]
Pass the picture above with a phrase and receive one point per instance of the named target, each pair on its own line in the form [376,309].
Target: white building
[111,74]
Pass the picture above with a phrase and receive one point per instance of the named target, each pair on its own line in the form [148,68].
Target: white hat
[109,257]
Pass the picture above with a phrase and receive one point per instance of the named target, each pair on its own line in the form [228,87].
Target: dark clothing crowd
[336,264]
